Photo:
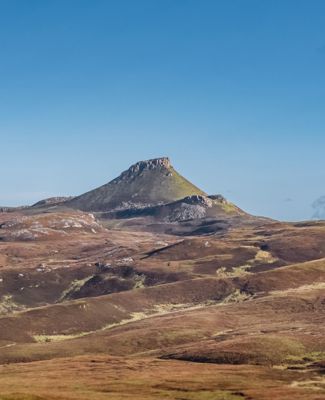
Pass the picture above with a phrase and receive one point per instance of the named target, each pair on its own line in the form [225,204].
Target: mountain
[148,182]
[319,208]
[152,196]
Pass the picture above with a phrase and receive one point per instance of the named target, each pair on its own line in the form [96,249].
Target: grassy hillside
[147,182]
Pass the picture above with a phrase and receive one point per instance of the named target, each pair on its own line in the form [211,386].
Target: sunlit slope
[146,182]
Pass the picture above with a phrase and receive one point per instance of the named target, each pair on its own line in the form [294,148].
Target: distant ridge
[52,201]
[149,182]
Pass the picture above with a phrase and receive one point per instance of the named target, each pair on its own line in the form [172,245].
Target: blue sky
[232,91]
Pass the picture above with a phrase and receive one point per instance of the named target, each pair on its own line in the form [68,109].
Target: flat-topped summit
[147,165]
[149,182]
[162,162]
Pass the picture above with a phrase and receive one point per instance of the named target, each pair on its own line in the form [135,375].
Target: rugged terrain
[156,290]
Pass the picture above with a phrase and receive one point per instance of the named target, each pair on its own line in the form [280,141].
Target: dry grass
[255,330]
[102,377]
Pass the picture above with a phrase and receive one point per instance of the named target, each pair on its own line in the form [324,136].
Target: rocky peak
[162,163]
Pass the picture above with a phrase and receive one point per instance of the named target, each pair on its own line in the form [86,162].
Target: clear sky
[232,91]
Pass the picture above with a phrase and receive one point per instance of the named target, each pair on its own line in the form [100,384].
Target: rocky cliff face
[137,169]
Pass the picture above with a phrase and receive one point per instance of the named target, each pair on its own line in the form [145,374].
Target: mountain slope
[185,209]
[146,182]
[196,214]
